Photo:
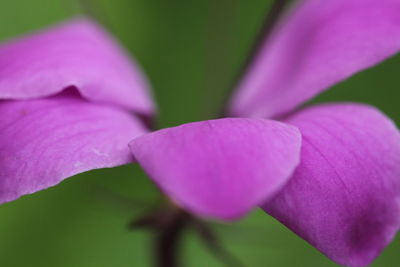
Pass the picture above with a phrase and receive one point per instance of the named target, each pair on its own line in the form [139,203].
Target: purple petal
[318,44]
[220,168]
[344,197]
[77,53]
[46,140]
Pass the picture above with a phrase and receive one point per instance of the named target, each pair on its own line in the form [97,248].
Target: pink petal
[77,53]
[344,197]
[220,168]
[318,44]
[46,140]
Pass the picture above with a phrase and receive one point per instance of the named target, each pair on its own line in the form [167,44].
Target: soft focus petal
[318,44]
[220,168]
[344,197]
[77,53]
[47,140]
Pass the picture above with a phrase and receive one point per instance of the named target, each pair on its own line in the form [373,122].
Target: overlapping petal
[220,168]
[344,197]
[318,44]
[44,141]
[77,53]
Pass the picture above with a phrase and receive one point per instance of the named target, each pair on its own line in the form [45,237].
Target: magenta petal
[318,44]
[344,197]
[220,168]
[47,140]
[77,53]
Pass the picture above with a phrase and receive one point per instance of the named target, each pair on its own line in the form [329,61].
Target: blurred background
[191,51]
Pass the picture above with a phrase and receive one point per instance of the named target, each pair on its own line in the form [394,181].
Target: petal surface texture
[77,53]
[344,197]
[220,168]
[316,45]
[44,141]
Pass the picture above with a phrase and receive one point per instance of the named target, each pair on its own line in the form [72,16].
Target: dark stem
[276,10]
[169,223]
[167,242]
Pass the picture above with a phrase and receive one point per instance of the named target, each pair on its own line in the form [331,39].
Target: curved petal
[46,140]
[344,197]
[318,44]
[220,168]
[77,53]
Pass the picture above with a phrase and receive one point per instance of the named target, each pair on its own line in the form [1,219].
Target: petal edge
[344,198]
[220,168]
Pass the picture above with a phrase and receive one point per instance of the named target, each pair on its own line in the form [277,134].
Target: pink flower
[71,102]
[331,173]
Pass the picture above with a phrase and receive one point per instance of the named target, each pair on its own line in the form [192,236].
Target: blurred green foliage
[191,52]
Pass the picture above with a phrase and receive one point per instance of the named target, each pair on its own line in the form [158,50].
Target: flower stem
[168,224]
[168,240]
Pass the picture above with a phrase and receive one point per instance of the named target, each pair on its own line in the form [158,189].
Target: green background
[191,51]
